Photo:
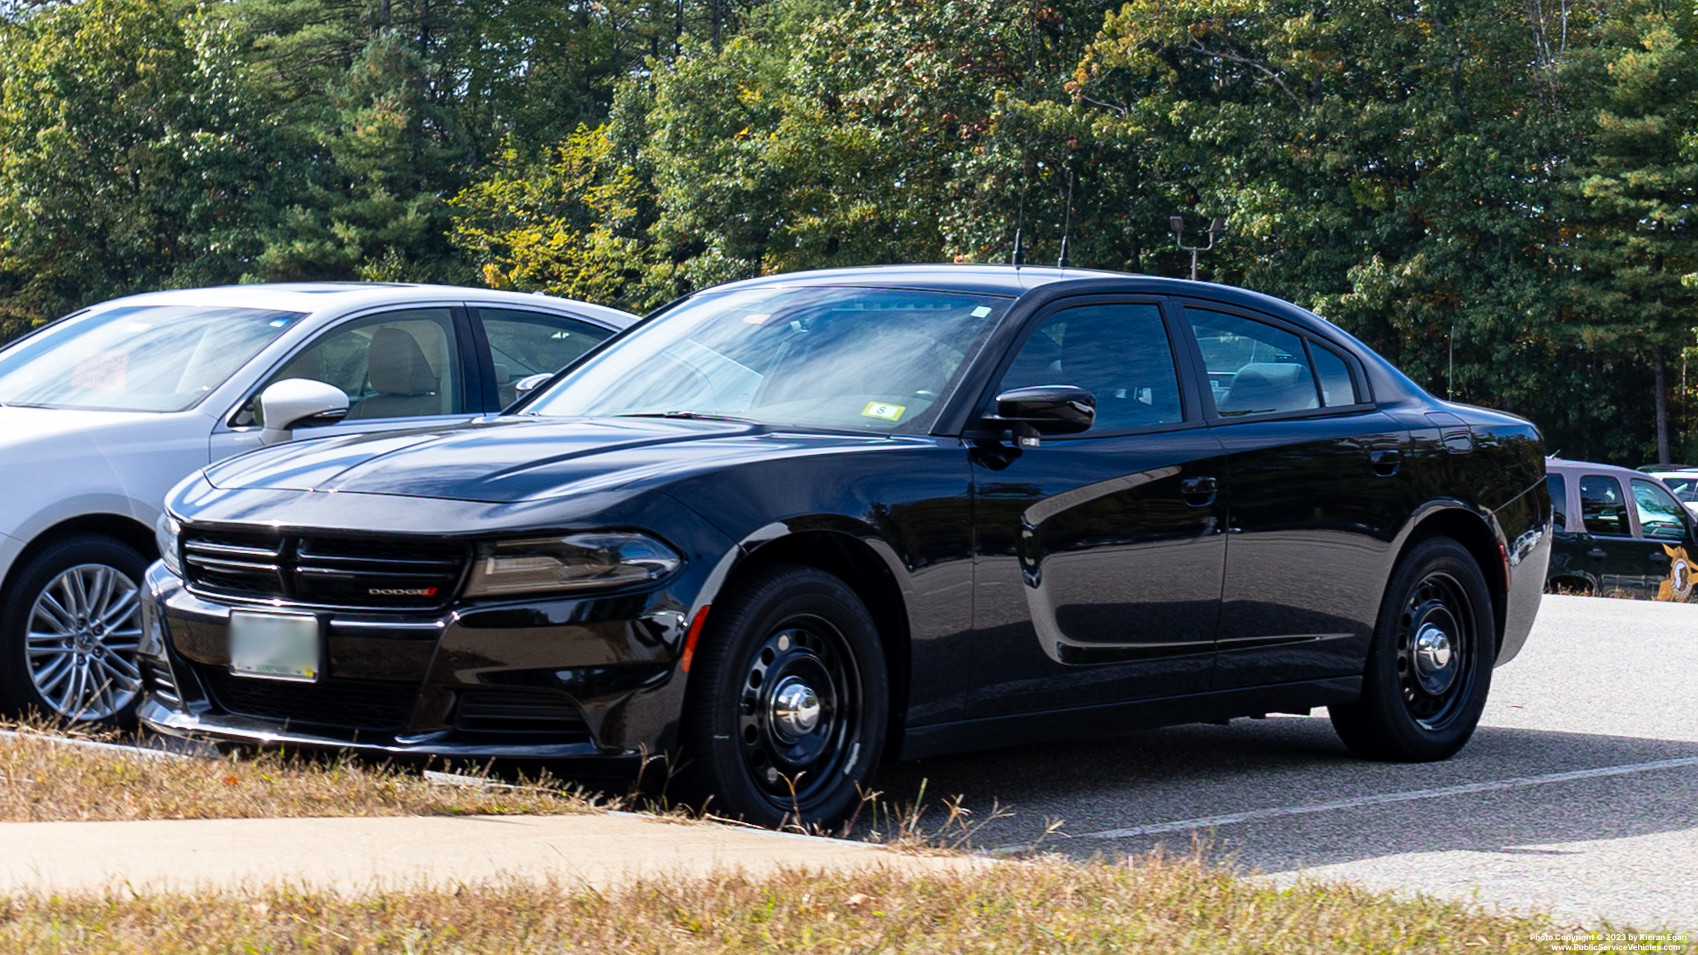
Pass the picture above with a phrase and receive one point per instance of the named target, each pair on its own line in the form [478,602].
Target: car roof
[994,279]
[347,296]
[1593,467]
[1015,281]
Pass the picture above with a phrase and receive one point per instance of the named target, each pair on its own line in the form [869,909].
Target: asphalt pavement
[1575,796]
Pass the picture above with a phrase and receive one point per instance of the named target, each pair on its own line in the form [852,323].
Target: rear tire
[69,631]
[785,716]
[1430,663]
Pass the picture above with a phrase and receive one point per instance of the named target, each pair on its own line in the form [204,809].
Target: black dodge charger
[791,526]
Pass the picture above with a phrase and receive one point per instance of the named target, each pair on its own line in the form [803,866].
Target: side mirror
[1045,409]
[294,402]
[530,383]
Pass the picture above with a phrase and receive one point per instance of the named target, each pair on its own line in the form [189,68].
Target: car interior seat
[1262,387]
[401,378]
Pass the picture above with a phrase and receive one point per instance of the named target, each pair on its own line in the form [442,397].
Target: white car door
[401,368]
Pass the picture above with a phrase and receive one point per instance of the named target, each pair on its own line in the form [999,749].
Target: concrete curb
[368,855]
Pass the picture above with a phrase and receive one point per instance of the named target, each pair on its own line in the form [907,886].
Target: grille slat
[520,711]
[161,682]
[361,574]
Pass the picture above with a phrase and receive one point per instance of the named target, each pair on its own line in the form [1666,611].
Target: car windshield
[1684,484]
[836,358]
[136,357]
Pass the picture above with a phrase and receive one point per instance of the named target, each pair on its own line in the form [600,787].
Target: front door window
[403,364]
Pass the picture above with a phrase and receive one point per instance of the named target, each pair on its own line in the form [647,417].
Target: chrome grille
[325,571]
[160,681]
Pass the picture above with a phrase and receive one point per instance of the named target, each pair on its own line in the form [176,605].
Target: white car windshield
[861,359]
[136,357]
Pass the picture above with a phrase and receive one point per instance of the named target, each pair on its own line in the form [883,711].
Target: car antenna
[1019,221]
[1067,223]
[1019,257]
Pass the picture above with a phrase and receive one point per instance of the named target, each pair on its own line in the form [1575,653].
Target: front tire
[786,711]
[69,631]
[1430,664]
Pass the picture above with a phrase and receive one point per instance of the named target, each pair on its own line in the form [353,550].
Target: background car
[791,524]
[1680,479]
[1619,532]
[102,411]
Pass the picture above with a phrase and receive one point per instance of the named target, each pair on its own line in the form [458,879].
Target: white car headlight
[595,561]
[166,532]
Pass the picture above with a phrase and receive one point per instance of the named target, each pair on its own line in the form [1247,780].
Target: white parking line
[1253,815]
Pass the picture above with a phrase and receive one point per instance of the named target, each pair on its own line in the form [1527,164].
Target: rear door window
[1254,368]
[1603,506]
[523,343]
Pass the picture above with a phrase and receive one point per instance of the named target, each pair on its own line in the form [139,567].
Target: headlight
[166,531]
[575,562]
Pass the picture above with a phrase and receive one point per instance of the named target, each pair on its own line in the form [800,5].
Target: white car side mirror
[293,402]
[530,383]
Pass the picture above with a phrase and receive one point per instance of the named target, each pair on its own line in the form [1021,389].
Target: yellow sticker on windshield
[878,409]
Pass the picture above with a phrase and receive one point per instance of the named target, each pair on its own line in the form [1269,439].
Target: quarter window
[1337,388]
[1119,353]
[1603,507]
[1254,368]
[1661,517]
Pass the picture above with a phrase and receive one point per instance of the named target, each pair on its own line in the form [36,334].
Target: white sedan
[103,411]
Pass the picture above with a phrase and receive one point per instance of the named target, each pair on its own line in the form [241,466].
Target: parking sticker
[878,409]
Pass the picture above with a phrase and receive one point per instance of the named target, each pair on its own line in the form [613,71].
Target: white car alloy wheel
[81,641]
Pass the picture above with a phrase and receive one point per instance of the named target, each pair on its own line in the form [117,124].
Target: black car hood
[513,459]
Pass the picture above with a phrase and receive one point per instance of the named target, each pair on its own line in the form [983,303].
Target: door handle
[1597,553]
[1198,491]
[1385,462]
[1659,558]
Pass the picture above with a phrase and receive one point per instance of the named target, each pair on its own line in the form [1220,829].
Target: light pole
[1217,228]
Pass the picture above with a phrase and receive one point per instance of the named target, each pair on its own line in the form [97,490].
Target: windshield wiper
[686,416]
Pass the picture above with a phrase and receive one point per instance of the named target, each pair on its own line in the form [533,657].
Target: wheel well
[855,563]
[1471,532]
[125,529]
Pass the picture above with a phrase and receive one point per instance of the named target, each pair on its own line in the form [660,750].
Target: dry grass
[1044,905]
[1154,905]
[42,780]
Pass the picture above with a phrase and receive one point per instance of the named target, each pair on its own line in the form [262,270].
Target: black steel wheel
[787,703]
[69,630]
[1430,663]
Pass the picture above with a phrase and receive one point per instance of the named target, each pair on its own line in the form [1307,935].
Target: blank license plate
[274,646]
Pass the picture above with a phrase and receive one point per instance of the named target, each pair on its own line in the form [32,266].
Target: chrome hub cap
[81,641]
[1433,658]
[795,708]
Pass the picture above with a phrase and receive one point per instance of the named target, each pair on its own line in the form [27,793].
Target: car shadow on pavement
[1197,772]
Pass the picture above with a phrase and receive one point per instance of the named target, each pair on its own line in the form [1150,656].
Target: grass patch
[1154,905]
[43,780]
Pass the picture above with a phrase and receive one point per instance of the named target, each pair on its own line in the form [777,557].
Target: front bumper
[587,680]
